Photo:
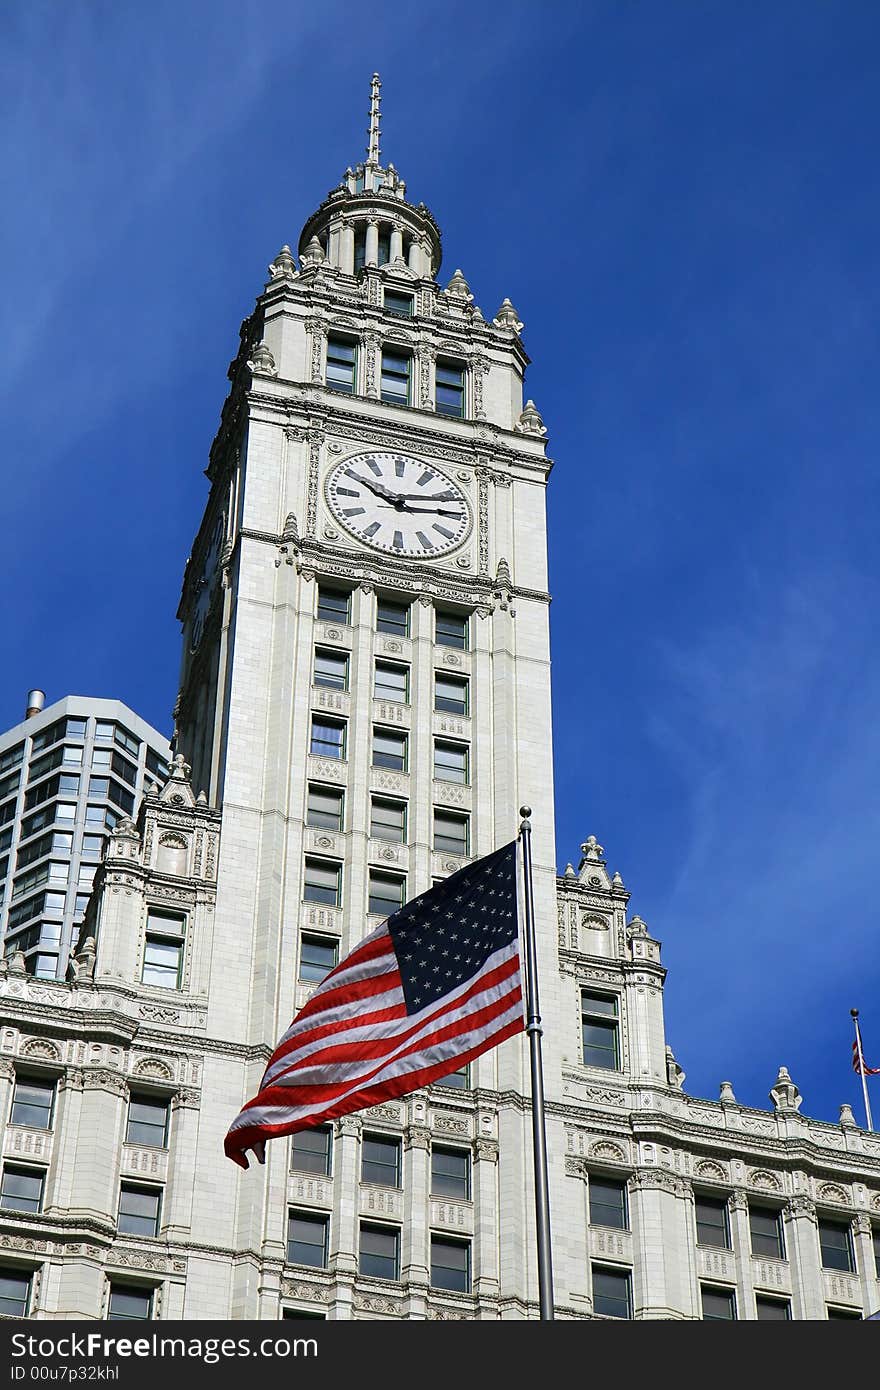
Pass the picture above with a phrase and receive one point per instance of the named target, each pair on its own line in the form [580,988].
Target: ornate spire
[373,133]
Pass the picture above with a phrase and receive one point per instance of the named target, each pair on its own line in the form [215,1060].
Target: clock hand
[377,488]
[429,511]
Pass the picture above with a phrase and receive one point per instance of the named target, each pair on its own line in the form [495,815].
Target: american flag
[434,986]
[864,1069]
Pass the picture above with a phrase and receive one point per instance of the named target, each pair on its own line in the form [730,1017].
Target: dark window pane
[334,605]
[380,1161]
[325,808]
[318,955]
[328,738]
[450,1265]
[765,1225]
[450,630]
[139,1210]
[392,617]
[331,669]
[836,1246]
[128,1304]
[387,893]
[388,820]
[712,1227]
[310,1151]
[450,1173]
[322,882]
[22,1189]
[15,1292]
[389,750]
[611,1293]
[307,1239]
[456,1080]
[379,1252]
[608,1203]
[401,304]
[32,1100]
[772,1309]
[450,833]
[450,694]
[147,1122]
[719,1305]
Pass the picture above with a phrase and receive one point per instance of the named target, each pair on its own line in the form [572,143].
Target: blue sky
[681,201]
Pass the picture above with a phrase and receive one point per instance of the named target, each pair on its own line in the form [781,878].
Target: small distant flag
[864,1069]
[437,984]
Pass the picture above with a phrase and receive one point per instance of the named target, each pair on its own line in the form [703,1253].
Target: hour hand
[379,490]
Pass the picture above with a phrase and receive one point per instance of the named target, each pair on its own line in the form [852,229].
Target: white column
[484,1252]
[802,1244]
[864,1251]
[334,244]
[742,1254]
[415,257]
[344,1220]
[415,1270]
[371,256]
[346,260]
[182,1160]
[396,242]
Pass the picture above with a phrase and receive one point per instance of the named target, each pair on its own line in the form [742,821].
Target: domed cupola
[367,221]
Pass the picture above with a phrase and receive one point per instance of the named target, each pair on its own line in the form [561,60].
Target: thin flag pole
[861,1057]
[535,1032]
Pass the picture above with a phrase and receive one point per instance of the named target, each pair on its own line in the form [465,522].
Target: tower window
[456,1080]
[334,605]
[331,669]
[599,1030]
[450,1173]
[719,1305]
[380,1160]
[765,1225]
[163,952]
[322,882]
[15,1292]
[390,749]
[21,1189]
[450,1264]
[451,630]
[388,820]
[451,833]
[835,1243]
[384,250]
[387,893]
[450,761]
[392,617]
[317,957]
[328,738]
[612,1293]
[399,304]
[396,369]
[450,389]
[32,1103]
[391,682]
[147,1122]
[379,1252]
[712,1224]
[450,694]
[307,1239]
[360,244]
[325,807]
[310,1151]
[129,1304]
[341,364]
[772,1309]
[608,1203]
[139,1209]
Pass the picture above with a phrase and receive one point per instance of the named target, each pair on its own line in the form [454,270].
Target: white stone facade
[218,884]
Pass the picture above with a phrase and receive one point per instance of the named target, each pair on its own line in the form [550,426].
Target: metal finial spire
[373,142]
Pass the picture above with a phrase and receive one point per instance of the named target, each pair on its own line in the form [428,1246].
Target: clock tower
[366,682]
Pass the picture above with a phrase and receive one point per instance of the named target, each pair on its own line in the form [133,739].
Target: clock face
[205,586]
[398,504]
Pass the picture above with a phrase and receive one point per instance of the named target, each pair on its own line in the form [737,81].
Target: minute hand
[431,511]
[380,491]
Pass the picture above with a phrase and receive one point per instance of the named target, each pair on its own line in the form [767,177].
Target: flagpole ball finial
[525,811]
[854,1012]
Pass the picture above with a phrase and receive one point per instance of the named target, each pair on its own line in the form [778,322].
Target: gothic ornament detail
[507,317]
[261,361]
[284,266]
[530,421]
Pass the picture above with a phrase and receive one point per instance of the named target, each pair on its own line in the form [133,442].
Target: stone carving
[417,1137]
[372,1303]
[675,1075]
[485,1150]
[801,1206]
[785,1094]
[371,343]
[831,1192]
[759,1177]
[41,1048]
[530,421]
[508,318]
[314,1293]
[607,1152]
[451,1124]
[261,361]
[152,1067]
[313,256]
[315,441]
[480,367]
[284,266]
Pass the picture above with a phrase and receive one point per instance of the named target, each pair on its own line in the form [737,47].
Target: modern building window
[310,1151]
[33,1102]
[379,1251]
[713,1227]
[599,1029]
[380,1160]
[450,761]
[322,882]
[147,1122]
[104,732]
[835,1243]
[12,757]
[612,1292]
[772,1309]
[450,1173]
[390,749]
[129,1303]
[451,694]
[331,669]
[765,1224]
[325,807]
[456,1080]
[317,956]
[42,967]
[21,1189]
[387,892]
[396,371]
[307,1234]
[341,364]
[391,682]
[392,617]
[15,1292]
[92,846]
[608,1203]
[450,630]
[334,605]
[450,389]
[163,952]
[388,820]
[328,738]
[451,833]
[139,1209]
[399,304]
[719,1305]
[450,1264]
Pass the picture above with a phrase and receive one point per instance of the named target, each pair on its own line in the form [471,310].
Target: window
[163,952]
[310,1151]
[451,833]
[772,1309]
[139,1209]
[15,1292]
[450,389]
[389,749]
[99,786]
[317,955]
[157,765]
[392,617]
[395,377]
[9,784]
[608,1203]
[12,757]
[380,1160]
[383,255]
[32,1103]
[147,1122]
[42,967]
[844,1313]
[303,1313]
[450,1173]
[92,846]
[341,364]
[328,738]
[388,820]
[124,769]
[325,807]
[450,630]
[612,1297]
[391,682]
[387,893]
[450,694]
[334,605]
[72,757]
[456,1080]
[712,1224]
[331,669]
[101,759]
[22,1188]
[765,1224]
[322,882]
[127,741]
[836,1246]
[719,1305]
[599,1030]
[379,1252]
[46,736]
[450,1264]
[104,732]
[129,1304]
[400,304]
[307,1234]
[450,761]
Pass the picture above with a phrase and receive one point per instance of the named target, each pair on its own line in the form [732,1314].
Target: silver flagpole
[535,1032]
[861,1057]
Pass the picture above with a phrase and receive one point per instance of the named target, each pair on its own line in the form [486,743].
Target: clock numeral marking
[444,530]
[398,540]
[400,467]
[371,530]
[351,474]
[375,467]
[346,492]
[425,478]
[353,511]
[423,540]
